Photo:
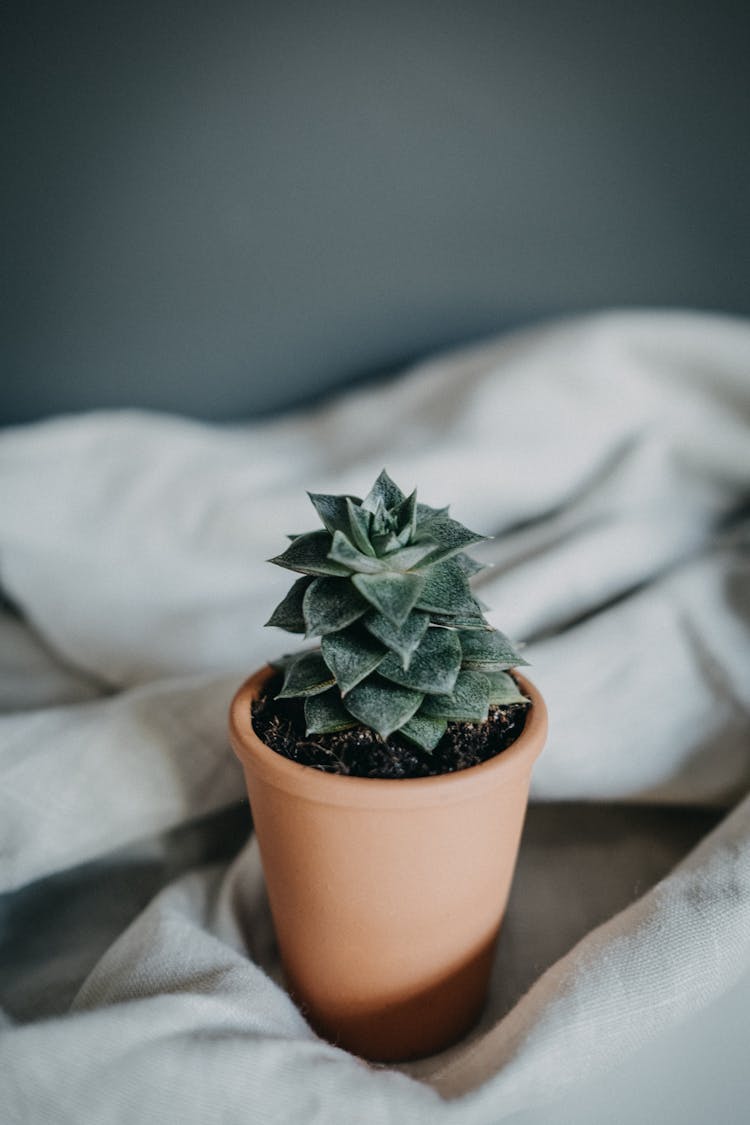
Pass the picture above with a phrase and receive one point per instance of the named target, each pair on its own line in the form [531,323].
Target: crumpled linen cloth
[609,457]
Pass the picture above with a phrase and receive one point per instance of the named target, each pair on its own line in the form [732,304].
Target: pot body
[387,895]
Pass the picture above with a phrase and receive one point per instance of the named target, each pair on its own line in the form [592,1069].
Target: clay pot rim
[312,784]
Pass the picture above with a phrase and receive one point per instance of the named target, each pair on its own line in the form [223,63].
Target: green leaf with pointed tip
[434,666]
[360,523]
[446,590]
[426,513]
[381,520]
[403,639]
[307,675]
[330,604]
[488,651]
[332,510]
[382,706]
[424,731]
[308,554]
[408,558]
[384,492]
[385,542]
[288,613]
[352,655]
[393,595]
[451,536]
[326,714]
[461,621]
[406,518]
[469,701]
[504,690]
[468,565]
[343,551]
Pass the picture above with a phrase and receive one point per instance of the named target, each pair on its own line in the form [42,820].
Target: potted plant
[388,773]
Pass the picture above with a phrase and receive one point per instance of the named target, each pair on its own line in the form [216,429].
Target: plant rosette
[387,892]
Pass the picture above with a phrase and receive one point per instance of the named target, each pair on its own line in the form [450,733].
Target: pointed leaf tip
[308,554]
[384,493]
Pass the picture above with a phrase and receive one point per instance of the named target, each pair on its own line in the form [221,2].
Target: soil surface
[360,752]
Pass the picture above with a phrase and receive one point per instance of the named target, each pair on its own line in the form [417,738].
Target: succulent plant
[404,643]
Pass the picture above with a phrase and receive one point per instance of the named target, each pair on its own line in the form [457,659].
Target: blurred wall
[221,208]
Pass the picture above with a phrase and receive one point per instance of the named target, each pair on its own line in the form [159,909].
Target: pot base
[410,1027]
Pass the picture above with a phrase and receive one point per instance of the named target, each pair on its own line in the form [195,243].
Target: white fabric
[610,458]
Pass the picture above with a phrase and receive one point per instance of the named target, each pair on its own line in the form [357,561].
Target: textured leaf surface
[352,655]
[360,522]
[446,590]
[424,731]
[426,513]
[461,620]
[308,554]
[433,667]
[343,551]
[468,565]
[450,535]
[326,714]
[333,510]
[406,558]
[407,518]
[307,675]
[382,706]
[488,651]
[330,604]
[504,690]
[289,613]
[402,639]
[384,493]
[393,595]
[468,703]
[385,542]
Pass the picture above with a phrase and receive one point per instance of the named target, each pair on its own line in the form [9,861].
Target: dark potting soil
[360,752]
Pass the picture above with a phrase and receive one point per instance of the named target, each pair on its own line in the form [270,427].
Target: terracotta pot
[387,895]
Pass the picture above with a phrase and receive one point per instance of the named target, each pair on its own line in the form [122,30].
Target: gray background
[224,208]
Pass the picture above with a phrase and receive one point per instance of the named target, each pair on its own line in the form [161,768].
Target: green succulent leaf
[326,714]
[433,667]
[352,655]
[462,621]
[468,565]
[393,595]
[488,651]
[382,706]
[424,731]
[308,554]
[384,494]
[425,513]
[450,535]
[383,542]
[307,675]
[343,551]
[330,604]
[406,519]
[360,523]
[333,510]
[469,702]
[504,690]
[408,558]
[446,590]
[403,639]
[288,613]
